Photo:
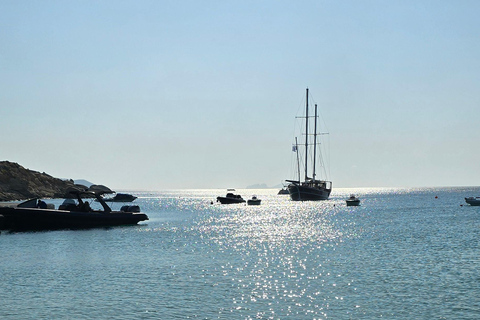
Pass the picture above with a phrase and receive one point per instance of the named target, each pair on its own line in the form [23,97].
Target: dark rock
[18,183]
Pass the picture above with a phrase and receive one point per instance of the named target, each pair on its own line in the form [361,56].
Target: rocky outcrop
[18,183]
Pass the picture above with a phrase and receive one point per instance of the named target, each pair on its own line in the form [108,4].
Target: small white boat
[473,201]
[353,201]
[254,201]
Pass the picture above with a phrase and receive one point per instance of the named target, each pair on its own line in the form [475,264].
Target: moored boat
[254,201]
[310,188]
[35,215]
[473,201]
[230,198]
[353,201]
[121,197]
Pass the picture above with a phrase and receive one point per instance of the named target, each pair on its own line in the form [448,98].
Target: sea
[404,253]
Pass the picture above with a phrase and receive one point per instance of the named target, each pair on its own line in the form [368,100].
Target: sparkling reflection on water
[402,254]
[277,254]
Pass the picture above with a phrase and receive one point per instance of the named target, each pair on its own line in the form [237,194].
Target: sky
[156,95]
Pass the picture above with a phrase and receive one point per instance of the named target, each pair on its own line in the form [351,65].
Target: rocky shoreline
[18,183]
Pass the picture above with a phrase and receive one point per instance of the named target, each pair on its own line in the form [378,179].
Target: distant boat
[309,188]
[473,201]
[121,197]
[283,191]
[230,198]
[353,201]
[254,201]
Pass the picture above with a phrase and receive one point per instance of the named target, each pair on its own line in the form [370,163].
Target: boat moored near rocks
[121,197]
[35,214]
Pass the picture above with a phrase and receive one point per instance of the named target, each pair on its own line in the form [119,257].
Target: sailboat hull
[307,193]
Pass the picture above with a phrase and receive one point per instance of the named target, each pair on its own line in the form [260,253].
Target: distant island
[18,183]
[258,186]
[264,186]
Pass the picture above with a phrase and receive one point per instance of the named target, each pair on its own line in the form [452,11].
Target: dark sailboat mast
[315,144]
[306,139]
[298,160]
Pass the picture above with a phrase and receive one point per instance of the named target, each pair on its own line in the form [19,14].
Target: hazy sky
[203,94]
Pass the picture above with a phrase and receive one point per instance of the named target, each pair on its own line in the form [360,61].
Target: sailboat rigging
[310,188]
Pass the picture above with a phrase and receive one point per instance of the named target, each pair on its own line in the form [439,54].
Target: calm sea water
[403,254]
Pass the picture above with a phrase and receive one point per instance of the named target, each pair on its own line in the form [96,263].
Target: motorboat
[283,191]
[254,201]
[353,201]
[35,215]
[310,188]
[473,201]
[121,197]
[230,198]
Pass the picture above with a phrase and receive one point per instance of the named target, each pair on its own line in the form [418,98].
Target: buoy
[436,197]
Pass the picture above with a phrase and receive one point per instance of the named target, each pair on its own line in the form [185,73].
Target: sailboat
[310,188]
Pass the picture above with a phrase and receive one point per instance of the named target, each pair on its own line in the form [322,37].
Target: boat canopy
[87,192]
